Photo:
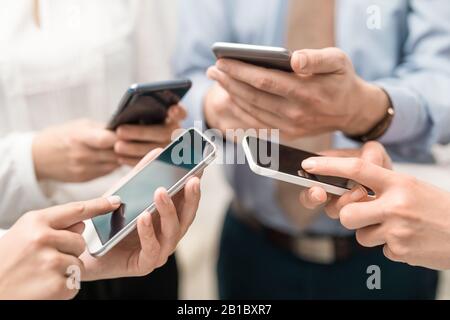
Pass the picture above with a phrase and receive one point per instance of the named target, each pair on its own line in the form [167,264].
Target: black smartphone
[262,56]
[147,104]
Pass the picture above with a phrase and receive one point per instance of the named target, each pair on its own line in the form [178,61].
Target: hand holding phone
[283,163]
[184,158]
[148,104]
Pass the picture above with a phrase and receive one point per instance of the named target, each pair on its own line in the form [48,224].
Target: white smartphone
[283,163]
[263,56]
[185,157]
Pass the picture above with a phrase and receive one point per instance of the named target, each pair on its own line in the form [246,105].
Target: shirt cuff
[411,117]
[2,232]
[23,158]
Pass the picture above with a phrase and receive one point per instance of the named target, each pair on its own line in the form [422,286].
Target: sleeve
[197,32]
[19,189]
[419,86]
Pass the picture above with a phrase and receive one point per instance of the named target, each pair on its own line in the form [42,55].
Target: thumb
[319,61]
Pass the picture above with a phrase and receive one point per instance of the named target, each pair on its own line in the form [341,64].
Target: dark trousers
[161,284]
[251,267]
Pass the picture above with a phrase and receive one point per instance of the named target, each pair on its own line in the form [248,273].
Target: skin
[76,151]
[156,237]
[134,142]
[43,244]
[83,150]
[324,94]
[409,218]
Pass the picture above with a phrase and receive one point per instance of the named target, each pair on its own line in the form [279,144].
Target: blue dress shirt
[405,50]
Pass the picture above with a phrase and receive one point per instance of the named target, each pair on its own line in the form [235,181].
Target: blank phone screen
[288,160]
[183,156]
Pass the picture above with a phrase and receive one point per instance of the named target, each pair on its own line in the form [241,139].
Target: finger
[254,117]
[372,236]
[192,194]
[83,154]
[176,114]
[97,138]
[150,246]
[390,255]
[135,149]
[319,61]
[268,80]
[170,225]
[245,120]
[259,100]
[358,193]
[361,214]
[77,228]
[313,198]
[68,242]
[375,153]
[151,133]
[355,169]
[64,216]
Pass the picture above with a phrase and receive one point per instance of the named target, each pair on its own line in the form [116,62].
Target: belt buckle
[320,250]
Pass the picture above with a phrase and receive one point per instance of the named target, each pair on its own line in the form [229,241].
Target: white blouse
[77,64]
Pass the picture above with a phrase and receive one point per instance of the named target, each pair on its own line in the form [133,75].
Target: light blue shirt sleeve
[201,24]
[420,83]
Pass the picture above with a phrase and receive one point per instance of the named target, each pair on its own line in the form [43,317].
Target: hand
[77,151]
[323,95]
[314,197]
[410,218]
[38,250]
[155,239]
[135,141]
[222,113]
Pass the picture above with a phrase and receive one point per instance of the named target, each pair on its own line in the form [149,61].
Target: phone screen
[183,156]
[288,160]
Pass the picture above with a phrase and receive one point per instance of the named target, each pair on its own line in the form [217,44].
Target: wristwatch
[379,129]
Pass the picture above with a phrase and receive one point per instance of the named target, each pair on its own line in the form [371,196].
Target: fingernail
[309,164]
[300,60]
[357,194]
[114,200]
[316,195]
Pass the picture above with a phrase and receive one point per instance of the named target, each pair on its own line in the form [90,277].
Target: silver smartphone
[263,56]
[283,163]
[185,157]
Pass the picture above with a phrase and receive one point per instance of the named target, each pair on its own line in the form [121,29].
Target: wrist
[370,105]
[39,158]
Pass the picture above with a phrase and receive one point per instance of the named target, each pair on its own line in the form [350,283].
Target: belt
[314,248]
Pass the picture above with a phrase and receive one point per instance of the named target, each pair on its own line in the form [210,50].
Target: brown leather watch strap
[379,129]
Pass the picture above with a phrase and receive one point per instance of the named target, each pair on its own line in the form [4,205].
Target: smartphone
[262,56]
[185,157]
[283,163]
[147,104]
